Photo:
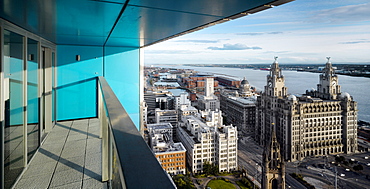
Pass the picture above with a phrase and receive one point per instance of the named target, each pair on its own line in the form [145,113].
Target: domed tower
[275,82]
[328,87]
[245,88]
[273,167]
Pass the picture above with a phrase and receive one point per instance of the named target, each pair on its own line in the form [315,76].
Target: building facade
[319,122]
[239,111]
[209,101]
[171,155]
[212,144]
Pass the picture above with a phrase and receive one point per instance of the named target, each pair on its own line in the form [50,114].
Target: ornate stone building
[320,122]
[273,167]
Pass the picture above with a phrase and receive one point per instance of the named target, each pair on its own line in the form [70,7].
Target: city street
[250,159]
[320,170]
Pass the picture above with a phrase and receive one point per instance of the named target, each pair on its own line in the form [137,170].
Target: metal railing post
[105,149]
[100,109]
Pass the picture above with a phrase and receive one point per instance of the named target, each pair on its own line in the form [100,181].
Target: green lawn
[220,184]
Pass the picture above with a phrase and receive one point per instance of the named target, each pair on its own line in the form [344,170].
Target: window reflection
[13,84]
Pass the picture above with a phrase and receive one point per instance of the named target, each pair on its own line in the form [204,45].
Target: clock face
[333,83]
[270,84]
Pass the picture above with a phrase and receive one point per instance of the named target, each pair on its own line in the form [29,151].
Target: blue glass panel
[76,89]
[85,22]
[53,86]
[122,72]
[32,98]
[13,132]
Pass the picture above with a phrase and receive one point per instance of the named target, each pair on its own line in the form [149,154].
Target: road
[250,158]
[321,168]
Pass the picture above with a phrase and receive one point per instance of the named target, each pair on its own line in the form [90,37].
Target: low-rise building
[172,156]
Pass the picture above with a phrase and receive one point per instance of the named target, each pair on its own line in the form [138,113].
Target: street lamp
[255,176]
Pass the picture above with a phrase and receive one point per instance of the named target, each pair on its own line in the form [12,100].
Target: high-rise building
[209,101]
[204,142]
[209,89]
[240,111]
[319,122]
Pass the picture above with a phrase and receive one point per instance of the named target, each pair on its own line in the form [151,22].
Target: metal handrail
[127,161]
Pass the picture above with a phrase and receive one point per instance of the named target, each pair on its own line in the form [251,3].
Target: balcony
[70,157]
[95,153]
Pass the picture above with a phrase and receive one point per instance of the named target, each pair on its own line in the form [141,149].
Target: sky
[299,32]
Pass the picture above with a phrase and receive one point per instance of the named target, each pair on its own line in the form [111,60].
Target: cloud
[274,33]
[251,33]
[170,52]
[198,41]
[259,33]
[236,46]
[355,42]
[277,52]
[350,13]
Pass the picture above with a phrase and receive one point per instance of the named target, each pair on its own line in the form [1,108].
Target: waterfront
[298,83]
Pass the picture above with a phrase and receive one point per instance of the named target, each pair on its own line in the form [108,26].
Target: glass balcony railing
[127,161]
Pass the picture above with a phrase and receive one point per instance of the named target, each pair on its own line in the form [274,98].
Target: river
[299,82]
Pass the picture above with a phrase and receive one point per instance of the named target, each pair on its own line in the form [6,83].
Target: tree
[358,168]
[207,168]
[215,169]
[210,169]
[183,182]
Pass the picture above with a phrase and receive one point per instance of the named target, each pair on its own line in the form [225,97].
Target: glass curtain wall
[33,126]
[14,108]
[22,88]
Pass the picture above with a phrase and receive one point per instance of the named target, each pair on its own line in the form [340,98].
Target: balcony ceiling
[126,23]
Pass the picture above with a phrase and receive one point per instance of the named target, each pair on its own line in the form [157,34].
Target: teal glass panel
[122,72]
[33,126]
[76,89]
[13,83]
[53,86]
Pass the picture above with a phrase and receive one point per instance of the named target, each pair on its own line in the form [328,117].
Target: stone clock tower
[328,87]
[275,82]
[268,108]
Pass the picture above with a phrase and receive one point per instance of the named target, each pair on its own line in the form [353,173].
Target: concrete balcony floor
[70,157]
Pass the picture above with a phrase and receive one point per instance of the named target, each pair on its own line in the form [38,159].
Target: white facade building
[209,101]
[208,143]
